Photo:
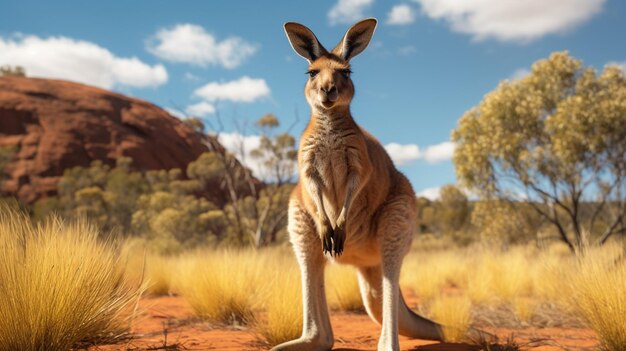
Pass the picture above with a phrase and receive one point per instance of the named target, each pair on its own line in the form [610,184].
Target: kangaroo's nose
[329,90]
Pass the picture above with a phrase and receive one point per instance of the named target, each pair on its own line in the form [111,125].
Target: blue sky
[429,60]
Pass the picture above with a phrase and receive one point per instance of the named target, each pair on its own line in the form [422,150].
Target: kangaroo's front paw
[339,238]
[326,233]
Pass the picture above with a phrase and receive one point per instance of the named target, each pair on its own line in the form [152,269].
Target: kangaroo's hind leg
[395,229]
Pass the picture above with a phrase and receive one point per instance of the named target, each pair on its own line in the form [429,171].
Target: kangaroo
[351,204]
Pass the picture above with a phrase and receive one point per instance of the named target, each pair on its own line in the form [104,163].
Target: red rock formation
[57,124]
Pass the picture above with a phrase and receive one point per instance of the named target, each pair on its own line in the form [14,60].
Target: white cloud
[439,152]
[401,15]
[245,89]
[175,112]
[348,11]
[430,193]
[190,43]
[511,20]
[191,76]
[406,154]
[79,61]
[403,154]
[200,109]
[407,50]
[241,146]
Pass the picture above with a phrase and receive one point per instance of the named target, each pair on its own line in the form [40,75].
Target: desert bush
[105,195]
[453,209]
[60,285]
[504,223]
[172,222]
[12,71]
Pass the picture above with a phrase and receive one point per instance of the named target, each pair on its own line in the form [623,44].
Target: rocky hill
[55,125]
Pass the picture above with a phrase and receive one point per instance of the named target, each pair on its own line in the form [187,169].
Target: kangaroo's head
[329,84]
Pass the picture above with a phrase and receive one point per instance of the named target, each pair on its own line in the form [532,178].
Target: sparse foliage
[503,222]
[557,139]
[453,209]
[195,123]
[173,212]
[12,71]
[256,215]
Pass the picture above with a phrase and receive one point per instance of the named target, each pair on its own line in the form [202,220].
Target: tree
[425,215]
[505,222]
[107,196]
[453,209]
[256,214]
[12,71]
[556,139]
[195,123]
[276,151]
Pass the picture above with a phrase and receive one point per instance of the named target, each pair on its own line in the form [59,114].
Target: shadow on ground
[433,347]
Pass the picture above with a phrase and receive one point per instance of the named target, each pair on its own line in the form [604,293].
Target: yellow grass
[160,272]
[222,286]
[524,308]
[502,276]
[428,273]
[156,272]
[59,285]
[282,301]
[342,288]
[263,287]
[597,290]
[454,313]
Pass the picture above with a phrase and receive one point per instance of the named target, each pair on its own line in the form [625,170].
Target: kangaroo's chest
[328,160]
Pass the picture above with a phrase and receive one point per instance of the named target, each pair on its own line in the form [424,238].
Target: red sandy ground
[353,331]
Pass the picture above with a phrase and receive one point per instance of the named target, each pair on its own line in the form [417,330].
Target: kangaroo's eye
[346,72]
[312,73]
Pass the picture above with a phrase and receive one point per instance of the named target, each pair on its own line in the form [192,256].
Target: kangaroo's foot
[305,344]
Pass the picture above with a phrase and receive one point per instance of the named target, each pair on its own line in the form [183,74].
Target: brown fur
[350,201]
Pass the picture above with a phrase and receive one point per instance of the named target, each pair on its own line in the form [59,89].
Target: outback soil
[167,323]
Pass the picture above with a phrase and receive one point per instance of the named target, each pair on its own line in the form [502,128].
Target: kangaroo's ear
[356,39]
[304,42]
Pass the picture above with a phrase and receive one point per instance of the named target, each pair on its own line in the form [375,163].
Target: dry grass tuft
[59,285]
[156,272]
[222,286]
[454,313]
[282,302]
[427,274]
[160,273]
[342,288]
[524,308]
[596,291]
